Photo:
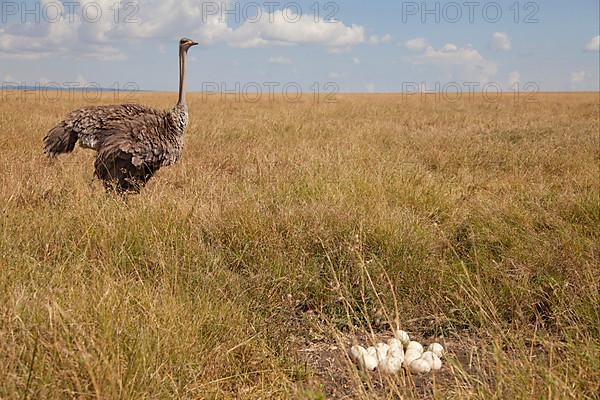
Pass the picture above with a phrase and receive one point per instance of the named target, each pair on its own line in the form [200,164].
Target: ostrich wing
[148,136]
[137,138]
[93,125]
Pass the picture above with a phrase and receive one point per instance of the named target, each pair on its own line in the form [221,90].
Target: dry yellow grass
[246,270]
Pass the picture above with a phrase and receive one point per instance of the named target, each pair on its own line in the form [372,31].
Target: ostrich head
[185,44]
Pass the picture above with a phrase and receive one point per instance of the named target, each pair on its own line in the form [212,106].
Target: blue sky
[382,45]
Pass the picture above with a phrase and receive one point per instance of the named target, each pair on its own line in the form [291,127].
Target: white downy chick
[433,360]
[403,337]
[436,349]
[420,366]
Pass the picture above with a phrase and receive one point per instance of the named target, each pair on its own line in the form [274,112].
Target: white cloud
[374,39]
[68,34]
[501,42]
[514,78]
[417,44]
[370,87]
[335,75]
[450,48]
[277,30]
[280,60]
[594,44]
[166,20]
[577,77]
[464,63]
[355,60]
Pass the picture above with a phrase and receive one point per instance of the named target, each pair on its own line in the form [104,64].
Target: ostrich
[132,142]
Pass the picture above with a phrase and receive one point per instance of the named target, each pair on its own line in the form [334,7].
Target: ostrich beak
[194,44]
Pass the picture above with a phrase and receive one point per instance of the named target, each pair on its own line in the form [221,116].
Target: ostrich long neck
[182,57]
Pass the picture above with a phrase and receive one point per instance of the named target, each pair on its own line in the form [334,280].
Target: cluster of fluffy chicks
[391,357]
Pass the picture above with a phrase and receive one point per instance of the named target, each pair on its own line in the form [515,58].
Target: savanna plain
[289,232]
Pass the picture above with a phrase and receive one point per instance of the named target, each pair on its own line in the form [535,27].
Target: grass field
[289,231]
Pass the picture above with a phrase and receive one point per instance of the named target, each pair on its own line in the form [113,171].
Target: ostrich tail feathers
[59,141]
